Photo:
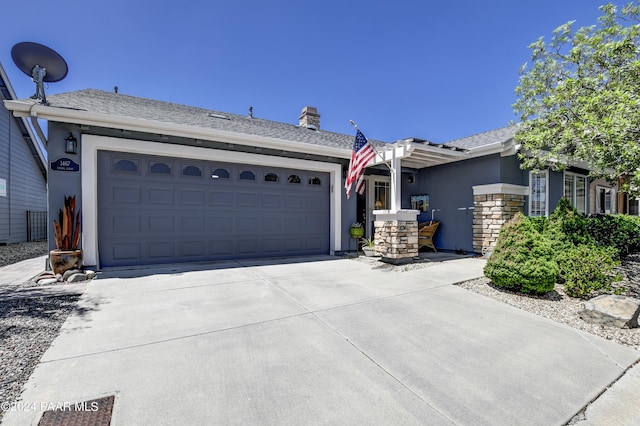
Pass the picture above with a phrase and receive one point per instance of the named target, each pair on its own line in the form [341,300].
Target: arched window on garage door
[315,181]
[247,175]
[271,177]
[160,169]
[192,171]
[220,174]
[125,166]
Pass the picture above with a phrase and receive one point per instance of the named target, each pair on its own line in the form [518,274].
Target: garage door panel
[192,197]
[247,225]
[272,246]
[146,218]
[294,201]
[272,225]
[221,225]
[247,199]
[126,194]
[220,247]
[160,196]
[192,248]
[221,198]
[271,200]
[161,250]
[126,251]
[315,202]
[192,224]
[158,224]
[246,246]
[126,224]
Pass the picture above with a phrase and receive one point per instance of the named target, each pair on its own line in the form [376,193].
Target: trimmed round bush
[522,260]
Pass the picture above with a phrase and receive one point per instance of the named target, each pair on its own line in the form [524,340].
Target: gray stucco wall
[25,185]
[556,189]
[449,187]
[62,183]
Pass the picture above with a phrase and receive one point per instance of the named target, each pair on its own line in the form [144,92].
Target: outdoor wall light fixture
[71,144]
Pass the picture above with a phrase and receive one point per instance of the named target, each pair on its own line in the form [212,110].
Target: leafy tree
[579,100]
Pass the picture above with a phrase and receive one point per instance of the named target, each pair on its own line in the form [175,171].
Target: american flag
[361,155]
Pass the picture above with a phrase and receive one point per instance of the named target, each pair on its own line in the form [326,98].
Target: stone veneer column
[396,235]
[494,205]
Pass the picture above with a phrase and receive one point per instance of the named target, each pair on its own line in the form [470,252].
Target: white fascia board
[64,115]
[493,148]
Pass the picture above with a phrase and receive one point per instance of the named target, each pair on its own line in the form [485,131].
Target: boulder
[612,310]
[69,272]
[47,281]
[77,277]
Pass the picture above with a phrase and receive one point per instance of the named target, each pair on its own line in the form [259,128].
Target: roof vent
[213,115]
[309,118]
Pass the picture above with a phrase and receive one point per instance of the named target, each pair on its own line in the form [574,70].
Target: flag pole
[374,148]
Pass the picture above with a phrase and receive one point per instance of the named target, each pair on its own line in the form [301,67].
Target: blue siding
[449,187]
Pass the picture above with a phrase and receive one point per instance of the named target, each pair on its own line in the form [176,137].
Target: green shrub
[587,269]
[522,259]
[619,231]
[566,226]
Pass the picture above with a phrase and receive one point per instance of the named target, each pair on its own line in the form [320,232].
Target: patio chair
[426,231]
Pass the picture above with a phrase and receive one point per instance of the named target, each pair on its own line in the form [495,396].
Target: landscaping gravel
[12,253]
[27,326]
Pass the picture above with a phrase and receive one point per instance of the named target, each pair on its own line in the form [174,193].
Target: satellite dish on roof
[41,64]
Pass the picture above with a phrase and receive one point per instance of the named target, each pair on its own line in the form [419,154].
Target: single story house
[159,182]
[23,176]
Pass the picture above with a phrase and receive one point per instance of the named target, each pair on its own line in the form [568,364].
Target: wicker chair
[426,231]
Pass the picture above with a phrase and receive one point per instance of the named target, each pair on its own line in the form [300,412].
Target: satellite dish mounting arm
[38,74]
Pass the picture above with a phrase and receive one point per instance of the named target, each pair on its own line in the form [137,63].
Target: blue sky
[437,70]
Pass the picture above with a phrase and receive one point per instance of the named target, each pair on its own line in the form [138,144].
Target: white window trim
[546,187]
[612,210]
[586,190]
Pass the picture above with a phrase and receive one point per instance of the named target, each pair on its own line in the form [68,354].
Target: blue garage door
[154,210]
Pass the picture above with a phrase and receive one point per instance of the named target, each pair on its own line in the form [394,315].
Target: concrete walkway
[321,340]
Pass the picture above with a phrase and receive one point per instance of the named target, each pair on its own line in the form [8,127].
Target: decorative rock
[612,310]
[47,281]
[77,278]
[59,277]
[90,274]
[70,272]
[45,274]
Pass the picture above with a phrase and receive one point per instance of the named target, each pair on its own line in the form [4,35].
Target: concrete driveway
[316,341]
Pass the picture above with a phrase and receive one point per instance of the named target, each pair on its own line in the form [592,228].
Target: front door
[378,198]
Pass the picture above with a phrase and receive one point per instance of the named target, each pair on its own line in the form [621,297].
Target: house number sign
[65,165]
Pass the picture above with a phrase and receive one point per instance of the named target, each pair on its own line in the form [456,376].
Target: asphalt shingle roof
[121,105]
[502,134]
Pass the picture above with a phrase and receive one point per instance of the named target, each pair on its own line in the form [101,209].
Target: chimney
[309,118]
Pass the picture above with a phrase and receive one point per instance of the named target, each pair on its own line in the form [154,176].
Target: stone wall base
[396,240]
[490,212]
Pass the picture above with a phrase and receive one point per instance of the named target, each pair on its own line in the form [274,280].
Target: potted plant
[368,246]
[356,230]
[67,233]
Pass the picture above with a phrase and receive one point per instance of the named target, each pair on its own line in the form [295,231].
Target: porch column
[396,235]
[396,183]
[494,204]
